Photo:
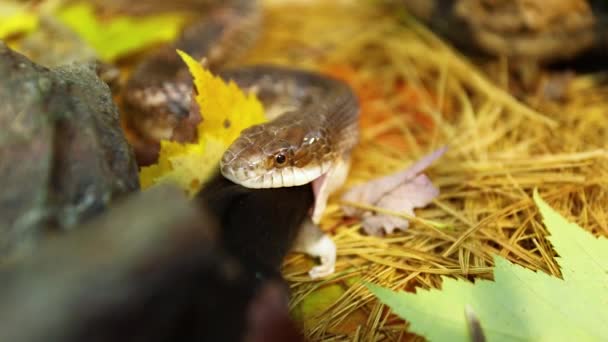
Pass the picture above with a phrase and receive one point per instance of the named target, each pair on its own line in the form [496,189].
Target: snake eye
[280,158]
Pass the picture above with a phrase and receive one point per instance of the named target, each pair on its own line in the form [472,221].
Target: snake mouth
[284,177]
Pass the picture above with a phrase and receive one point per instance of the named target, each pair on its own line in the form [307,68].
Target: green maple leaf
[520,304]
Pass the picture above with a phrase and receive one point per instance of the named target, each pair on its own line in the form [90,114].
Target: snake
[309,142]
[313,123]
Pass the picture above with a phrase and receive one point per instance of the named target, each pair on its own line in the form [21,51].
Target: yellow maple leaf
[119,35]
[227,109]
[227,112]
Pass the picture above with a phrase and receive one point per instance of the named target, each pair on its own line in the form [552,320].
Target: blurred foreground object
[537,30]
[63,156]
[149,269]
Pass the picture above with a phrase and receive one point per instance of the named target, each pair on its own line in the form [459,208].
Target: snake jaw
[272,156]
[275,178]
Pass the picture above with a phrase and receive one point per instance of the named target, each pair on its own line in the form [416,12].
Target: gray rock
[63,156]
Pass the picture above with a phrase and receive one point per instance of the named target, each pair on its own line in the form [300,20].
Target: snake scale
[310,142]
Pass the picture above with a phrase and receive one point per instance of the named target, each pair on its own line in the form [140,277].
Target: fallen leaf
[399,192]
[227,112]
[412,194]
[16,19]
[520,304]
[54,44]
[119,35]
[312,310]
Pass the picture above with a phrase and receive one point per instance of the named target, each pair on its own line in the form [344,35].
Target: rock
[537,30]
[63,156]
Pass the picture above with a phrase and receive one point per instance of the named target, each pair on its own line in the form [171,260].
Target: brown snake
[293,149]
[310,142]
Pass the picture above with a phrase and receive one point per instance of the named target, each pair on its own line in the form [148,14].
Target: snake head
[276,155]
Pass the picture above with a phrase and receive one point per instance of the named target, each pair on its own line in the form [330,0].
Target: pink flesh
[317,185]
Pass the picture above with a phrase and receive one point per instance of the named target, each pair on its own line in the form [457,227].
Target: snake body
[316,133]
[157,95]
